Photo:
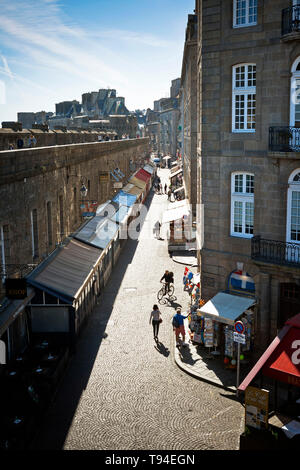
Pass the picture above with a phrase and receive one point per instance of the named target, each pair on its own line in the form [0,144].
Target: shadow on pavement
[160,347]
[58,419]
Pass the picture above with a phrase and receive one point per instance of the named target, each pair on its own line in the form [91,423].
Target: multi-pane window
[61,216]
[244,13]
[242,205]
[49,224]
[293,222]
[34,233]
[244,98]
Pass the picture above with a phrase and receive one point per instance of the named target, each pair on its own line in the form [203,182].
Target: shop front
[176,180]
[213,323]
[277,372]
[178,218]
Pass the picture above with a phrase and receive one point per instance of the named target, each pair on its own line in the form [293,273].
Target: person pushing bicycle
[168,277]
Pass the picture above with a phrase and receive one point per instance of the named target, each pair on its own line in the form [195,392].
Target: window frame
[247,24]
[293,187]
[243,197]
[34,233]
[242,91]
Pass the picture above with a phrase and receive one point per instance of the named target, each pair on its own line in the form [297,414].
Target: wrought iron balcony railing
[284,139]
[275,252]
[290,20]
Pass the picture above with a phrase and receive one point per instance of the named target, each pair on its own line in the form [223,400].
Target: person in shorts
[178,326]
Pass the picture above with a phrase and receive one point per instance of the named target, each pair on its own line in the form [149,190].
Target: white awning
[175,214]
[226,308]
[178,189]
[175,173]
[174,205]
[167,158]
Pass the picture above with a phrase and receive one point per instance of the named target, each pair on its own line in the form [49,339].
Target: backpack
[175,322]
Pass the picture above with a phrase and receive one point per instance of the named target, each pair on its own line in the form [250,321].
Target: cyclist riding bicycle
[168,277]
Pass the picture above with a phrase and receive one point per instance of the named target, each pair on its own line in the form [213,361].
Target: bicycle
[162,293]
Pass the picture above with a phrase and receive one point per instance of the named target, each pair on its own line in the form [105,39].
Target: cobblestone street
[121,390]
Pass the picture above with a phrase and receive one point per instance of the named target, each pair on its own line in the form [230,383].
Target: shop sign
[15,288]
[104,177]
[118,185]
[238,338]
[256,408]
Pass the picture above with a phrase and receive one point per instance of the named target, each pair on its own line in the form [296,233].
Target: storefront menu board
[208,333]
[256,408]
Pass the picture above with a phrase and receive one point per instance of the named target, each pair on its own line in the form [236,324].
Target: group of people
[178,318]
[158,187]
[31,142]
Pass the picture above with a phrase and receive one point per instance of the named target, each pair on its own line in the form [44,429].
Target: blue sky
[52,50]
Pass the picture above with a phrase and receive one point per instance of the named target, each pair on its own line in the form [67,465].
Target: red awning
[282,358]
[284,363]
[143,175]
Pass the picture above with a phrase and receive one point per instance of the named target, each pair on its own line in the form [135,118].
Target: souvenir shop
[212,323]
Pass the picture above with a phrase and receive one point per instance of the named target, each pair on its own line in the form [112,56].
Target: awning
[175,173]
[98,231]
[226,308]
[281,360]
[107,209]
[125,199]
[143,175]
[137,182]
[175,214]
[174,205]
[121,215]
[149,169]
[156,160]
[134,190]
[179,189]
[64,273]
[175,168]
[167,158]
[12,309]
[280,365]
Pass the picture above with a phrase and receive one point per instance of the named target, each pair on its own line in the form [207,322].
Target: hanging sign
[15,288]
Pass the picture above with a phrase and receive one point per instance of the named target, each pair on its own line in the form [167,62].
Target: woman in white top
[155,316]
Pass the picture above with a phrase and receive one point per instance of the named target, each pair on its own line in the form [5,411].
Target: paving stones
[125,391]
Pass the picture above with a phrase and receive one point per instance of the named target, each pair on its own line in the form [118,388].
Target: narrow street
[121,390]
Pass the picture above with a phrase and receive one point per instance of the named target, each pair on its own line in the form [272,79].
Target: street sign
[239,327]
[239,338]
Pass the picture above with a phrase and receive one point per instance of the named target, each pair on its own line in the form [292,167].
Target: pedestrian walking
[156,230]
[166,189]
[169,195]
[155,316]
[178,326]
[160,189]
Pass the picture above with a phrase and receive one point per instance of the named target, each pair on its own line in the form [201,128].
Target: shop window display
[218,337]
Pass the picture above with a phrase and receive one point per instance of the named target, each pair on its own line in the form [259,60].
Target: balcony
[275,252]
[290,28]
[284,139]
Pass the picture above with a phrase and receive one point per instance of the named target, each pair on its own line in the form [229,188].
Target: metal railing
[275,252]
[290,20]
[284,139]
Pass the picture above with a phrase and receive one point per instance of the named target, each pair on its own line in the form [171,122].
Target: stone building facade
[40,194]
[248,152]
[188,122]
